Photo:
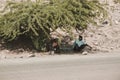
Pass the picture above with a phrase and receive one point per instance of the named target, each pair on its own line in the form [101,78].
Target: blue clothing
[79,43]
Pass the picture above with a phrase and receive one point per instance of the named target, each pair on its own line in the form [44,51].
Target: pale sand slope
[107,37]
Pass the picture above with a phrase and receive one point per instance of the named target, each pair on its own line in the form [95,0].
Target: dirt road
[62,67]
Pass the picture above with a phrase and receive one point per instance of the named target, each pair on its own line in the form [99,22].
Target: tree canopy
[35,19]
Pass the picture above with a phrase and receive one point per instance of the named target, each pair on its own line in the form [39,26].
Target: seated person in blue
[79,44]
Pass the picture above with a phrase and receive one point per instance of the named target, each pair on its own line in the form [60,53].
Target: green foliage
[35,19]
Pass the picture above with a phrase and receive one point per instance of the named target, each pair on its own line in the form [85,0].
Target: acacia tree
[35,19]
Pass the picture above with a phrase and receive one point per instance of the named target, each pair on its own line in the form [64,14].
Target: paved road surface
[62,67]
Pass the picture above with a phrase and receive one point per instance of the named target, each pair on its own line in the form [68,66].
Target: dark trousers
[79,49]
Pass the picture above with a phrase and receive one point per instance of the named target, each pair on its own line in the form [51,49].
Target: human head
[80,37]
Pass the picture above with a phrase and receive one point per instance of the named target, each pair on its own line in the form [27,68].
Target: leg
[85,47]
[76,48]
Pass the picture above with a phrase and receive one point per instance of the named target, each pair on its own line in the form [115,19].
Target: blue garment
[79,43]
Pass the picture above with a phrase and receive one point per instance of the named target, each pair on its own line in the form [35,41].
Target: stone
[105,22]
[85,53]
[116,22]
[51,52]
[32,55]
[21,56]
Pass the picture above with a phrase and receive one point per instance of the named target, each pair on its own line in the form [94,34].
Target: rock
[111,48]
[116,22]
[85,53]
[21,56]
[20,50]
[105,22]
[32,55]
[51,52]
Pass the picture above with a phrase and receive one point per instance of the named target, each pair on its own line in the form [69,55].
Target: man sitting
[53,45]
[79,44]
